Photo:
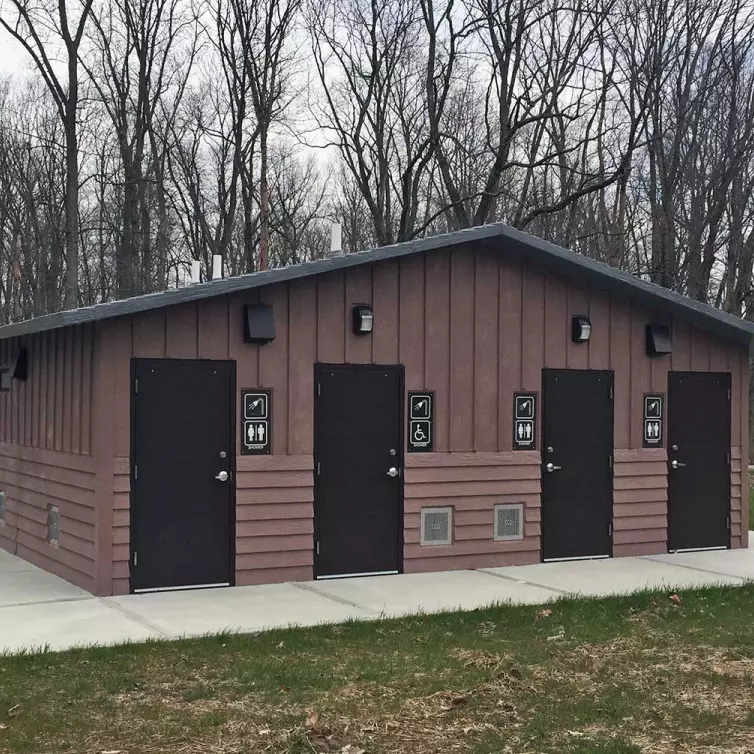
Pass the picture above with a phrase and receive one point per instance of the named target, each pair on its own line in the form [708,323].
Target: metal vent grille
[437,526]
[53,525]
[509,521]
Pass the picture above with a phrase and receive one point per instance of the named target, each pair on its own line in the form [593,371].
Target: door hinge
[610,461]
[611,392]
[609,530]
[317,547]
[727,458]
[136,387]
[318,467]
[728,393]
[727,522]
[136,472]
[319,388]
[136,558]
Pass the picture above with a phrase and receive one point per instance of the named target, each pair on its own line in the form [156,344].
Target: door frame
[320,366]
[543,445]
[729,420]
[133,516]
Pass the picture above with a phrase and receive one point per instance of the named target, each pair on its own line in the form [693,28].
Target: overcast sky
[12,56]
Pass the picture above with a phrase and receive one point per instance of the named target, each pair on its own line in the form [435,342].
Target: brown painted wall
[45,454]
[474,327]
[471,325]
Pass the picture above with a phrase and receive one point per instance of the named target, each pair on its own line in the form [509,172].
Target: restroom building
[477,399]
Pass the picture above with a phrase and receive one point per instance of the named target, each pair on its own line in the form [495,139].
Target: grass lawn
[619,675]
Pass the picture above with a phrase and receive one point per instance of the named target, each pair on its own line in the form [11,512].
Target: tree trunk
[71,198]
[264,203]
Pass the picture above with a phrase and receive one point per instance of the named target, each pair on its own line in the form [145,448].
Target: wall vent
[53,525]
[509,521]
[437,526]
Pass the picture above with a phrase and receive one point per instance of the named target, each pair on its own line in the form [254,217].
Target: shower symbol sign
[420,422]
[256,422]
[524,418]
[653,415]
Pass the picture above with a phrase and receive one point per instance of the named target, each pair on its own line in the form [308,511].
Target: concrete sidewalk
[38,610]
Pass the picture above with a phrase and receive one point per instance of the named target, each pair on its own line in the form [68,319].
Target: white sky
[12,56]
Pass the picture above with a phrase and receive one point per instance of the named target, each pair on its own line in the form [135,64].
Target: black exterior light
[581,329]
[363,319]
[659,339]
[258,324]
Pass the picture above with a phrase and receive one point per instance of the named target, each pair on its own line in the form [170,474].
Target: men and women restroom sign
[524,421]
[654,406]
[256,421]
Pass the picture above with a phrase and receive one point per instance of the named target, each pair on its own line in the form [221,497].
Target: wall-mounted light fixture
[363,319]
[258,324]
[659,339]
[581,328]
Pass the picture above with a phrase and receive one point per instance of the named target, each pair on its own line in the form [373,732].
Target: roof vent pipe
[217,266]
[196,271]
[336,240]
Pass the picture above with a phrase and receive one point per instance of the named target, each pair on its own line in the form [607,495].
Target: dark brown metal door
[577,477]
[182,450]
[358,455]
[698,460]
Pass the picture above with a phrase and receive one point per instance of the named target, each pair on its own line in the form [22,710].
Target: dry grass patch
[630,674]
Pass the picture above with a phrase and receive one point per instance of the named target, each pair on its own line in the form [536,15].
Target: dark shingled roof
[505,240]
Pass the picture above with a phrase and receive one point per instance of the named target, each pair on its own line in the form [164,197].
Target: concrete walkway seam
[741,579]
[334,598]
[54,600]
[552,589]
[143,622]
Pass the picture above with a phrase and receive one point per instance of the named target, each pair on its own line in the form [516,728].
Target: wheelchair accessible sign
[421,407]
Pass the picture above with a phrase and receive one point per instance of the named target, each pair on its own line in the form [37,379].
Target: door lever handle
[392,471]
[222,476]
[676,464]
[550,467]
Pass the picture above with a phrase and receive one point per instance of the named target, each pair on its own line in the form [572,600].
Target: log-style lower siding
[33,480]
[274,519]
[640,501]
[121,525]
[739,513]
[275,511]
[472,484]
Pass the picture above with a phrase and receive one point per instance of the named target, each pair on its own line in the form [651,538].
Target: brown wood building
[513,402]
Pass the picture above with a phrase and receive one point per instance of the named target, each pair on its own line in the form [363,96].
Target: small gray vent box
[437,526]
[2,508]
[53,525]
[509,521]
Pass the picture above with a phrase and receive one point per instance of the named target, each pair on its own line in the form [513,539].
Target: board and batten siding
[474,326]
[45,454]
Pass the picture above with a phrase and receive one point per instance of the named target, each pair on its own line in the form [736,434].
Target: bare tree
[41,28]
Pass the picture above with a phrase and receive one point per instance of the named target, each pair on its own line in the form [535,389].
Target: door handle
[222,476]
[392,471]
[550,467]
[676,464]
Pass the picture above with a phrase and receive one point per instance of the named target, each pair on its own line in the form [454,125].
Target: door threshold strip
[700,549]
[355,575]
[578,557]
[180,588]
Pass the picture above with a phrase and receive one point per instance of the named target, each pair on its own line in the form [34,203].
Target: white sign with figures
[653,415]
[524,431]
[524,421]
[420,420]
[256,422]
